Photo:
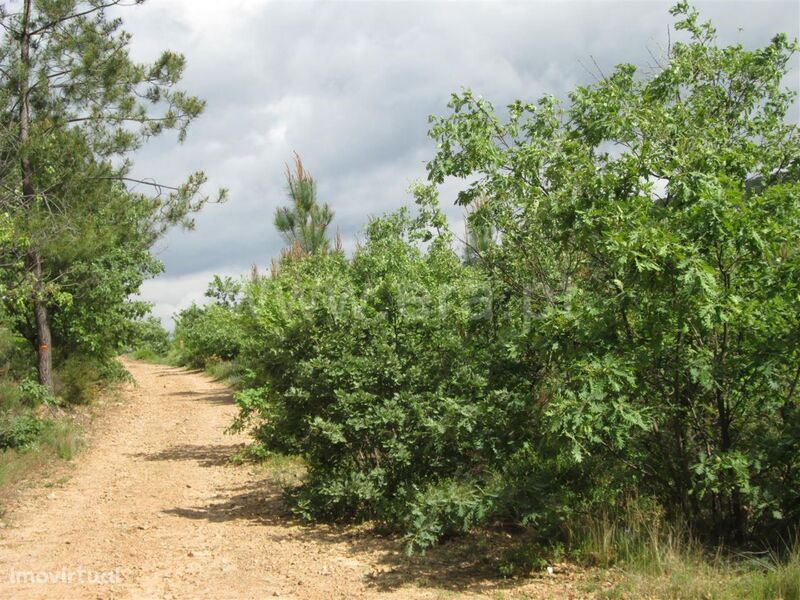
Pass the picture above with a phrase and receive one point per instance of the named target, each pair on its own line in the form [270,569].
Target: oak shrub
[633,331]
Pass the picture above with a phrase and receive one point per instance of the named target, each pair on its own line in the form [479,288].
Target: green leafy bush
[388,373]
[16,354]
[629,325]
[34,393]
[22,432]
[148,337]
[80,378]
[207,334]
[653,226]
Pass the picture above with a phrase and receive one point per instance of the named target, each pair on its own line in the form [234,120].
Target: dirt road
[154,508]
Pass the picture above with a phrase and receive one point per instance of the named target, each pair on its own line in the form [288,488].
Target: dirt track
[156,507]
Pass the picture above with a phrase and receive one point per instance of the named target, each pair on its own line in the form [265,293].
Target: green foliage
[652,227]
[56,439]
[16,354]
[228,371]
[22,432]
[19,391]
[204,335]
[211,335]
[387,374]
[34,393]
[77,229]
[304,222]
[627,320]
[148,336]
[80,378]
[224,291]
[480,231]
[530,557]
[444,508]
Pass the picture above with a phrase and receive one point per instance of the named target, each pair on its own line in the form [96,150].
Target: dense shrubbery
[80,378]
[386,373]
[22,432]
[147,337]
[205,335]
[20,395]
[400,375]
[626,324]
[654,227]
[26,406]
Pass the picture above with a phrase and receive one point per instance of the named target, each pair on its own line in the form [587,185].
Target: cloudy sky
[349,85]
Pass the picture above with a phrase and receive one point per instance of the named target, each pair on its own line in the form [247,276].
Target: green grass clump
[29,443]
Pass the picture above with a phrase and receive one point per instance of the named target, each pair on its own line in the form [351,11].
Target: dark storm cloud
[350,86]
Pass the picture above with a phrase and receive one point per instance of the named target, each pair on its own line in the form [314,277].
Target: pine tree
[68,76]
[304,222]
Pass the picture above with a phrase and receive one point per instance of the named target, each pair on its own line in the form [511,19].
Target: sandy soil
[154,508]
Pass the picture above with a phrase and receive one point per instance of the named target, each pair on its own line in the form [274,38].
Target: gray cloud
[350,86]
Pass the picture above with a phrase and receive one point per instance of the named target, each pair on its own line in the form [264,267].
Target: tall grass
[226,371]
[637,554]
[639,537]
[689,575]
[654,558]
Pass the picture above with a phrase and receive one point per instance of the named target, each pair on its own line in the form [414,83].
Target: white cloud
[171,294]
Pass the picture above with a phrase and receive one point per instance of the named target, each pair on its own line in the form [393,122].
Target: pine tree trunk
[39,301]
[44,347]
